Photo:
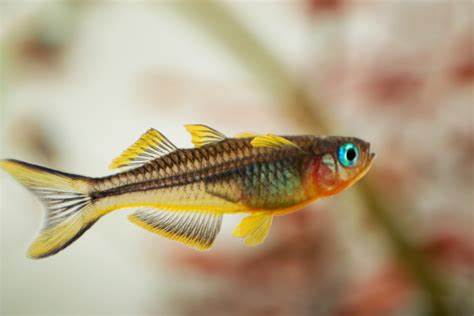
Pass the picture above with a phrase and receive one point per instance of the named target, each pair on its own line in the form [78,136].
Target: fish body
[182,193]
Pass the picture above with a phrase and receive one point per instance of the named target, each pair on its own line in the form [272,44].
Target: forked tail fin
[67,201]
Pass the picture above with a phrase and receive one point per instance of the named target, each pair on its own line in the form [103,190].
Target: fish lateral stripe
[186,166]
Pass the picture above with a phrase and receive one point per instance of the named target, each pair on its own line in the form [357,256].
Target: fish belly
[190,197]
[262,187]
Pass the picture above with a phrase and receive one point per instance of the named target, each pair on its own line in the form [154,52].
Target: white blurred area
[126,67]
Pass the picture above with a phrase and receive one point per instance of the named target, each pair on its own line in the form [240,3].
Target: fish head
[337,163]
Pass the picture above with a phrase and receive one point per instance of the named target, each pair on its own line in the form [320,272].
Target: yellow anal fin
[194,229]
[202,135]
[254,229]
[246,135]
[150,146]
[271,140]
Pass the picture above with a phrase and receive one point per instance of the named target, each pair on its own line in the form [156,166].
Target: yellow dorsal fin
[246,135]
[203,135]
[271,140]
[194,229]
[150,146]
[254,229]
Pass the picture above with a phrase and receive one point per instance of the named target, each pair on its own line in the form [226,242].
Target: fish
[183,193]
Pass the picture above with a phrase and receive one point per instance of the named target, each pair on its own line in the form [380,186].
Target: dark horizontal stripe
[198,164]
[208,174]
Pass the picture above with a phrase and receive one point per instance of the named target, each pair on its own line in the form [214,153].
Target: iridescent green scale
[271,185]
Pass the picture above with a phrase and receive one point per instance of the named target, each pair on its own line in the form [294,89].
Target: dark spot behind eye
[351,154]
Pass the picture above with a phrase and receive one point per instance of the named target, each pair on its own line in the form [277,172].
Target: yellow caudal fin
[254,229]
[67,202]
[194,229]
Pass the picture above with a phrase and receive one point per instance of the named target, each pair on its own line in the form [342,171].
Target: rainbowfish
[182,194]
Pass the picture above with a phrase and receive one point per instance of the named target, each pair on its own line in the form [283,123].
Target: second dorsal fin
[203,135]
[150,146]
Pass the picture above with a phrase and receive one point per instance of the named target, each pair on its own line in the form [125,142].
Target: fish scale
[179,162]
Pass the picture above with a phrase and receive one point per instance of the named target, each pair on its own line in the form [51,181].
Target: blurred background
[82,80]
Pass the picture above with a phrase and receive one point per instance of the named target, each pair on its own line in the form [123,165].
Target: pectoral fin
[194,229]
[254,229]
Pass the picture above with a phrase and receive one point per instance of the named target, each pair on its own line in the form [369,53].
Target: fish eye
[348,154]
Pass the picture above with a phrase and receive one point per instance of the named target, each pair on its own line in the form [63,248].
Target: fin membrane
[54,239]
[202,135]
[271,140]
[246,135]
[67,205]
[254,229]
[150,146]
[194,229]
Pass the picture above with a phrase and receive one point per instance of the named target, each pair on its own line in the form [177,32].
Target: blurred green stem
[221,24]
[248,50]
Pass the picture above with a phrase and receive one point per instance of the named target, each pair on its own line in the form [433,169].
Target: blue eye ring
[348,154]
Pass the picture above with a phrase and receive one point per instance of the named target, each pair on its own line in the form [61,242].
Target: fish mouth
[364,170]
[369,163]
[367,166]
[370,160]
[371,157]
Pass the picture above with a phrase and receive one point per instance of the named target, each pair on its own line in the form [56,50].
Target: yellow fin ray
[271,140]
[254,229]
[150,146]
[193,229]
[54,239]
[33,176]
[202,135]
[245,135]
[65,196]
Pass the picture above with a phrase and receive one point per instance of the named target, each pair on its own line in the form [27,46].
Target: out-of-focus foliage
[80,81]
